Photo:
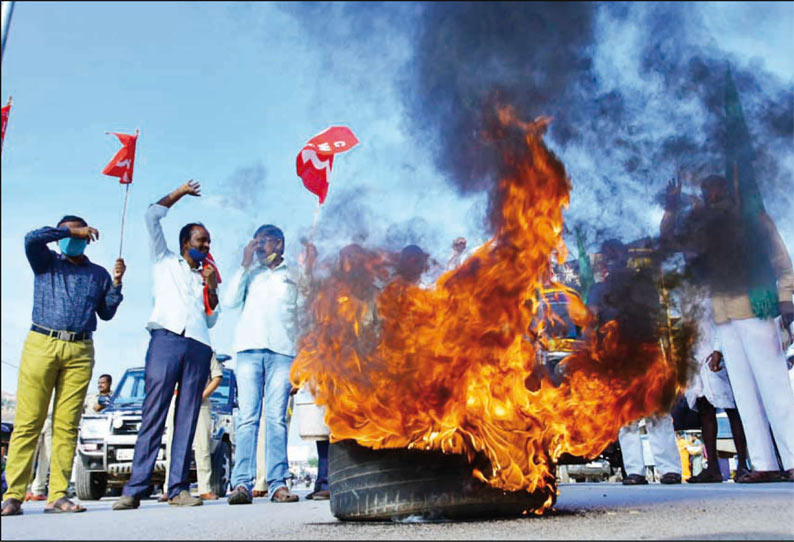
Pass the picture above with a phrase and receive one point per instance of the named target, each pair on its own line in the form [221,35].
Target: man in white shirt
[179,351]
[265,343]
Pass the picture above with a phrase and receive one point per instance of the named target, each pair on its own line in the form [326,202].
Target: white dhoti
[714,386]
[757,368]
[661,437]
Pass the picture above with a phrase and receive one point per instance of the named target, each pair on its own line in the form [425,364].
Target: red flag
[209,260]
[6,110]
[121,165]
[316,158]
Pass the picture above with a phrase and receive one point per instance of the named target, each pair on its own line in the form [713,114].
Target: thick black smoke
[620,138]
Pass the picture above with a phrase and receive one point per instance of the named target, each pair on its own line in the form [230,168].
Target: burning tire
[396,484]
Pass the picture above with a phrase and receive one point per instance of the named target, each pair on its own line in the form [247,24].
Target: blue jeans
[321,484]
[257,371]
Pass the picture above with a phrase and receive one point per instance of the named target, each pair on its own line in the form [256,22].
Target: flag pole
[124,210]
[123,215]
[316,220]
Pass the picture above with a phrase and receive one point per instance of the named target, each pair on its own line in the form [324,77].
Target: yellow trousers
[48,364]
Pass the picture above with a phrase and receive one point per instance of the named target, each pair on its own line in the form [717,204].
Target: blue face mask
[197,255]
[72,247]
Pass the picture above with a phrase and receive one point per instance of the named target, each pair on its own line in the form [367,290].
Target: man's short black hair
[270,230]
[110,378]
[184,233]
[72,218]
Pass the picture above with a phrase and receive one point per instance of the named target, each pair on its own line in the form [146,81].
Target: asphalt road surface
[583,511]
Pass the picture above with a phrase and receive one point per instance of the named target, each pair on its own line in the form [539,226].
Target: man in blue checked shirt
[69,292]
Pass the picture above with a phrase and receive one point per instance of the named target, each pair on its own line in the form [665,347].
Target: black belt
[70,336]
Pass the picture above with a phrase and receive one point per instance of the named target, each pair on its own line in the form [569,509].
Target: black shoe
[671,478]
[126,502]
[240,495]
[322,495]
[635,480]
[706,477]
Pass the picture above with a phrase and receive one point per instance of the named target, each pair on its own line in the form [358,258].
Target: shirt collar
[181,259]
[85,261]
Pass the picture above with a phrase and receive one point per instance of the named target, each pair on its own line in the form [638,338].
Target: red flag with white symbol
[122,164]
[6,111]
[316,158]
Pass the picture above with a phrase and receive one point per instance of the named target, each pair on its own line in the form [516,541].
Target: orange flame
[452,368]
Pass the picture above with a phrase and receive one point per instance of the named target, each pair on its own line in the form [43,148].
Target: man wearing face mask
[741,258]
[185,303]
[69,292]
[265,341]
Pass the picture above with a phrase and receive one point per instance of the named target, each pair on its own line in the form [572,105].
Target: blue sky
[227,93]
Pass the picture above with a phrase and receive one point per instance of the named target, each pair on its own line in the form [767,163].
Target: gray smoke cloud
[635,91]
[245,187]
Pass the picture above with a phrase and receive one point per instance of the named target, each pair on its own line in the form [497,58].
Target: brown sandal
[12,507]
[64,506]
[283,494]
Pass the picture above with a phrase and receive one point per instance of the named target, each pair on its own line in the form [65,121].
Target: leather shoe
[759,476]
[322,495]
[127,502]
[787,475]
[706,477]
[184,498]
[208,496]
[635,480]
[670,478]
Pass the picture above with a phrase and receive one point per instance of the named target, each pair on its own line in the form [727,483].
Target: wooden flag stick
[124,210]
[316,220]
[123,216]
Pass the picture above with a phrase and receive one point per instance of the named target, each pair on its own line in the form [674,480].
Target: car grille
[128,427]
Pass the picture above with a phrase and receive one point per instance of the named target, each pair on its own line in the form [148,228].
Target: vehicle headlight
[93,427]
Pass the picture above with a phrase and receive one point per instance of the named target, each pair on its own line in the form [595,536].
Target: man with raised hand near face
[179,351]
[265,343]
[69,292]
[743,261]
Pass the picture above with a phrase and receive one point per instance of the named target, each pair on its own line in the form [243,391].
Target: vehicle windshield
[131,389]
[221,395]
[560,325]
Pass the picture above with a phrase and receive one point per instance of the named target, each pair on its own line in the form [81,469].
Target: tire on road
[398,484]
[90,486]
[221,468]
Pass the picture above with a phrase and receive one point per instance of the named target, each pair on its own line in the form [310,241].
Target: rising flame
[453,368]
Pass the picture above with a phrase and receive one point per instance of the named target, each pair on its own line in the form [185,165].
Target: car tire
[221,468]
[90,486]
[395,484]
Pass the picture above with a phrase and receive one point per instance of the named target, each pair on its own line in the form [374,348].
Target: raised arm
[157,211]
[191,187]
[36,242]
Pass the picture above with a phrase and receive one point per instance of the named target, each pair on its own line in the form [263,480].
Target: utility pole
[8,10]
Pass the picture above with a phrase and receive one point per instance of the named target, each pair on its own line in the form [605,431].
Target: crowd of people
[741,366]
